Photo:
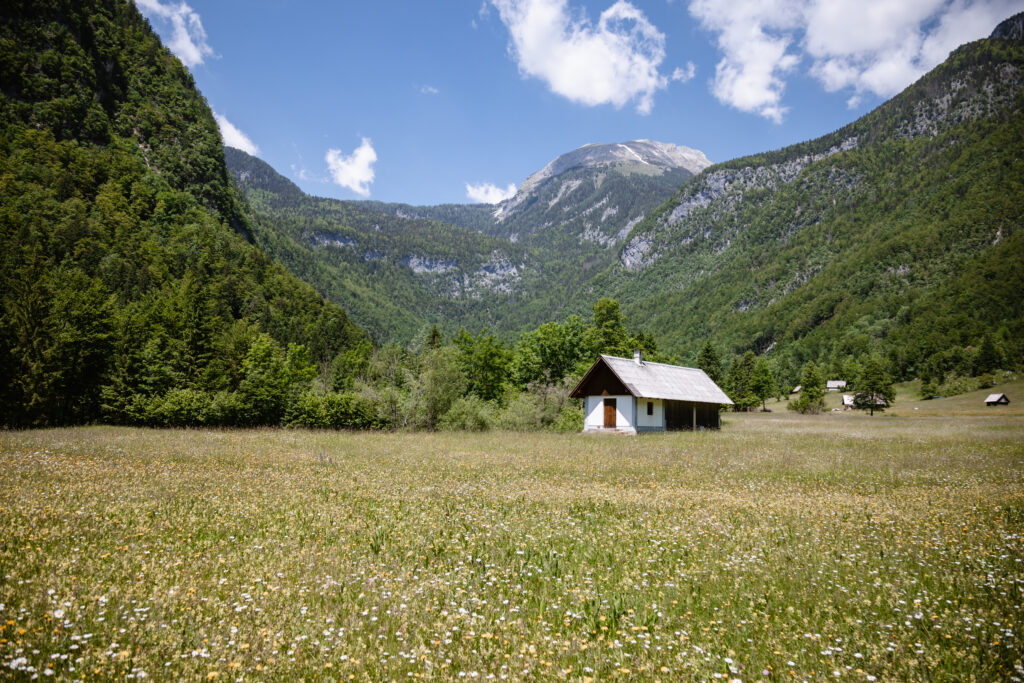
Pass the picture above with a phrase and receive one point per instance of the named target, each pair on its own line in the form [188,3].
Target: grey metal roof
[669,382]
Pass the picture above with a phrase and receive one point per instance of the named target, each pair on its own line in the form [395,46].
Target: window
[650,407]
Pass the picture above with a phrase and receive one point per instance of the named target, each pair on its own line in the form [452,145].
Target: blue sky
[437,102]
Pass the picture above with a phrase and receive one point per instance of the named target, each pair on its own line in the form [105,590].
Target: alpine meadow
[642,416]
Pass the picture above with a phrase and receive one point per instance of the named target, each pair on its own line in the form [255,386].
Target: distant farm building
[997,400]
[632,395]
[835,385]
[797,388]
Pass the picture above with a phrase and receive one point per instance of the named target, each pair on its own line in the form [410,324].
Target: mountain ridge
[897,202]
[581,213]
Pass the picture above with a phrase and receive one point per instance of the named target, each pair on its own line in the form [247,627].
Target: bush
[469,413]
[569,420]
[331,410]
[927,391]
[957,385]
[521,414]
[541,406]
[179,408]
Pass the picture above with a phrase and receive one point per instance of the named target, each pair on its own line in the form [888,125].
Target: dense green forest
[126,277]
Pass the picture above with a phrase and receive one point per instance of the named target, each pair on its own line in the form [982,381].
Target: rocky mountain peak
[1010,29]
[663,155]
[648,157]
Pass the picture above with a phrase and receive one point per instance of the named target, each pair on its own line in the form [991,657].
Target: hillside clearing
[783,546]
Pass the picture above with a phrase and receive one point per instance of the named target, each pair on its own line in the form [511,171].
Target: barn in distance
[630,395]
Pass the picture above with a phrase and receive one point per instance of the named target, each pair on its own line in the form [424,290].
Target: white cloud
[429,90]
[875,47]
[753,35]
[489,193]
[188,38]
[234,137]
[354,171]
[614,62]
[684,75]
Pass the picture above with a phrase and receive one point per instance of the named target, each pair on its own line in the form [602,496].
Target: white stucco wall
[593,413]
[625,409]
[650,422]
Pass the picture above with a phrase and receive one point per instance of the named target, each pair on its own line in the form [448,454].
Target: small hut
[835,385]
[631,395]
[997,400]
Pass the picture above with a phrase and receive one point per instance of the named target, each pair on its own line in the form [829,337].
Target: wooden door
[609,412]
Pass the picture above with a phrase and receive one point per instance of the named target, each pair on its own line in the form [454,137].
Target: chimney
[638,357]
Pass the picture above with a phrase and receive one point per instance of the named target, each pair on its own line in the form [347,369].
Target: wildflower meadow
[782,547]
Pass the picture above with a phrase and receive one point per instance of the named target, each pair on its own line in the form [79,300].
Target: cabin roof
[658,380]
[835,384]
[992,398]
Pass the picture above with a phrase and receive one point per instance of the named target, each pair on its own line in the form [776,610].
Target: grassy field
[908,404]
[782,547]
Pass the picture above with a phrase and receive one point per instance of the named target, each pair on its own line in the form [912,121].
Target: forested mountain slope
[508,267]
[125,271]
[395,274]
[899,232]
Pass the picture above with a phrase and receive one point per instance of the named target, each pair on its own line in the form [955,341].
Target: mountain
[395,273]
[900,232]
[398,268]
[602,178]
[596,193]
[126,274]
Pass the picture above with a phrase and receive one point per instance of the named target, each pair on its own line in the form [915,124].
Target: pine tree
[812,393]
[710,363]
[434,338]
[739,382]
[874,387]
[762,383]
[989,358]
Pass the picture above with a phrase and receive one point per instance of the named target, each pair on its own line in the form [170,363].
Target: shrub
[331,410]
[469,413]
[927,391]
[569,420]
[226,409]
[522,413]
[177,408]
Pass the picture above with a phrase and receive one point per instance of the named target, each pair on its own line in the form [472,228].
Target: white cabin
[631,395]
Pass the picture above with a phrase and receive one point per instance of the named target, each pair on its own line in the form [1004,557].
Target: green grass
[782,547]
